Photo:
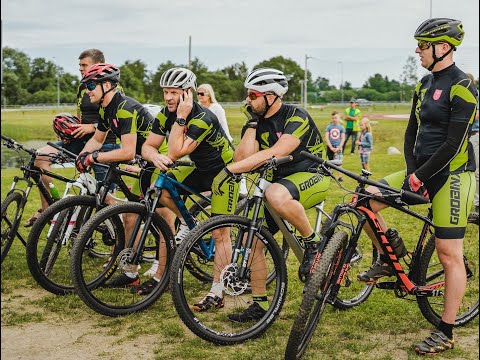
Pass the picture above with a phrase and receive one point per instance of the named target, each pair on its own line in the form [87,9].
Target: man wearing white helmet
[194,131]
[276,129]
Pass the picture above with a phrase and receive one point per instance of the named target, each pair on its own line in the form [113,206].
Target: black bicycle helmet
[441,30]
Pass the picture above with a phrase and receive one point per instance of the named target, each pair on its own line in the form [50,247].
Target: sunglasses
[253,95]
[201,94]
[91,86]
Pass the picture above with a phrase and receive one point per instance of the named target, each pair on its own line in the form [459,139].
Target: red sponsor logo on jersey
[115,122]
[437,94]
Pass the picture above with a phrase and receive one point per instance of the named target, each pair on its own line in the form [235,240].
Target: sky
[347,40]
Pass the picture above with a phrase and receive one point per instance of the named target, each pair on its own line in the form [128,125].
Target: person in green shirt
[352,118]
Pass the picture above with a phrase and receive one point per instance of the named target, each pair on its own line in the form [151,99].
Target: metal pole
[431,8]
[189,51]
[305,91]
[341,77]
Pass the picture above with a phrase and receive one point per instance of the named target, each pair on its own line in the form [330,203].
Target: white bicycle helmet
[267,80]
[178,78]
[153,109]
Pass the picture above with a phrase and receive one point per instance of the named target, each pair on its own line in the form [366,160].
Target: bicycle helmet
[178,77]
[63,126]
[441,29]
[267,80]
[153,109]
[100,73]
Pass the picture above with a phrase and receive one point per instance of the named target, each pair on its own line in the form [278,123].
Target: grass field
[384,327]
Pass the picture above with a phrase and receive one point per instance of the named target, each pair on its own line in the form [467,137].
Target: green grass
[384,327]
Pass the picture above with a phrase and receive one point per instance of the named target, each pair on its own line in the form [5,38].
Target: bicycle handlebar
[18,145]
[407,195]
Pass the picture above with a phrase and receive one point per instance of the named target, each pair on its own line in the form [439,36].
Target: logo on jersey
[455,199]
[437,94]
[334,134]
[115,122]
[279,134]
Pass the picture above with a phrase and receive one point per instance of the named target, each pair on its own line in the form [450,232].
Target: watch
[181,121]
[95,155]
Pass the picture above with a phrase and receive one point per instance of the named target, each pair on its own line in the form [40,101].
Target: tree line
[34,81]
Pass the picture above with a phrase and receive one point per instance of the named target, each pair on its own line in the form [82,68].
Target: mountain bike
[92,282]
[14,203]
[419,274]
[52,236]
[253,245]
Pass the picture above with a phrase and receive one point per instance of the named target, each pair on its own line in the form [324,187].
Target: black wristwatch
[95,155]
[181,121]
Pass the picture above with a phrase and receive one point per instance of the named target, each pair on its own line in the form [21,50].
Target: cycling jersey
[89,112]
[214,151]
[124,115]
[296,122]
[436,139]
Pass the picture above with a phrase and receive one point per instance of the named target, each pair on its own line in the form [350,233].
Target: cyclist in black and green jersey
[440,163]
[277,129]
[128,120]
[194,131]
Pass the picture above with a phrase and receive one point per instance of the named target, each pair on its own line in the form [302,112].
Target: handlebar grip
[183,163]
[61,149]
[414,199]
[6,138]
[283,160]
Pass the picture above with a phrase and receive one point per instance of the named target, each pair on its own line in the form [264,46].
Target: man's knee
[276,195]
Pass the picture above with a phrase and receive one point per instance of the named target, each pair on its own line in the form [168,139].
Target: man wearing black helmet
[194,131]
[276,129]
[439,161]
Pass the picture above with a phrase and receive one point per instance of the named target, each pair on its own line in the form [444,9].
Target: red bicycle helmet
[102,72]
[63,126]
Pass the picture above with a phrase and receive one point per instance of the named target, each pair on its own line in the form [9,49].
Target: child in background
[335,138]
[365,143]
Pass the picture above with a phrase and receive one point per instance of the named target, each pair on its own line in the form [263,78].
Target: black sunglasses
[200,93]
[91,86]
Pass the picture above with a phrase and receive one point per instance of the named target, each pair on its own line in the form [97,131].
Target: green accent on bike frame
[202,125]
[302,129]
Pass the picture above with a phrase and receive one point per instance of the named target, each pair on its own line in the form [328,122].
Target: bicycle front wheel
[316,295]
[97,282]
[10,220]
[222,325]
[431,272]
[50,242]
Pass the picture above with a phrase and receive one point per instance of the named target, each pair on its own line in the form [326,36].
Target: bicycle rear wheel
[10,220]
[316,296]
[92,277]
[266,258]
[51,239]
[431,272]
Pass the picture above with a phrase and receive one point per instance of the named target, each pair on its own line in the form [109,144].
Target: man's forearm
[246,147]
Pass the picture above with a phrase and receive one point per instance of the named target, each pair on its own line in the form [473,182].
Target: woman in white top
[206,98]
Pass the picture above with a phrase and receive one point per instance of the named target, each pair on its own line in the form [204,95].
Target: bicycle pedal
[387,285]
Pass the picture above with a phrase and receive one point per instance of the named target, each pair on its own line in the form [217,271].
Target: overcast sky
[350,38]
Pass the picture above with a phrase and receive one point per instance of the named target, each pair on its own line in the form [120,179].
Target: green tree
[408,79]
[133,77]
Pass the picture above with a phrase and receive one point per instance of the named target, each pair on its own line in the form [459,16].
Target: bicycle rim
[214,325]
[431,272]
[10,223]
[93,276]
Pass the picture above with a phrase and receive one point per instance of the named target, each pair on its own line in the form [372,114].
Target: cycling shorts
[307,188]
[451,197]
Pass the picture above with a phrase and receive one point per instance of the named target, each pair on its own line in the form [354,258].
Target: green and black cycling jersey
[436,138]
[124,115]
[89,112]
[214,151]
[296,122]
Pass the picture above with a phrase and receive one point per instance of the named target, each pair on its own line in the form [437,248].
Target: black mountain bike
[17,196]
[420,276]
